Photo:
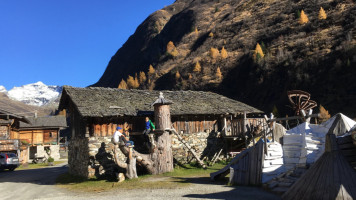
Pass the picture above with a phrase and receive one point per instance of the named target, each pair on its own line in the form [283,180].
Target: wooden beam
[291,118]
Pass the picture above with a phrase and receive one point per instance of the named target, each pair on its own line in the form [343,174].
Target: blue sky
[65,42]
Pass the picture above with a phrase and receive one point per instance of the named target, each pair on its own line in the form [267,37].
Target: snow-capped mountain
[3,89]
[37,94]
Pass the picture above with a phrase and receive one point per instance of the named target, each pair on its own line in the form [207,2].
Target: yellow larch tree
[211,34]
[322,14]
[151,70]
[171,49]
[223,53]
[177,75]
[214,53]
[122,84]
[197,67]
[196,31]
[130,82]
[136,82]
[324,114]
[258,51]
[190,76]
[303,19]
[143,78]
[218,74]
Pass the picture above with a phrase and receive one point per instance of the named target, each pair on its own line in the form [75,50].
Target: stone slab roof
[105,102]
[44,122]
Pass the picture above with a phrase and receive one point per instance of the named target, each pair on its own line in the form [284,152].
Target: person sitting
[148,126]
[120,137]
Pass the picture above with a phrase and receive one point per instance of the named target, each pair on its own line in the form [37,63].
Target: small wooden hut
[41,135]
[96,112]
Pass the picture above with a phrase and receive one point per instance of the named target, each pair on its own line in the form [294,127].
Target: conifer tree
[143,78]
[171,49]
[196,31]
[177,75]
[324,114]
[303,18]
[258,52]
[211,34]
[322,14]
[122,84]
[130,82]
[197,67]
[214,53]
[223,53]
[136,82]
[218,74]
[190,76]
[151,70]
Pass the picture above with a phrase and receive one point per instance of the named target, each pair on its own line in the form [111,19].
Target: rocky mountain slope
[317,56]
[36,94]
[20,108]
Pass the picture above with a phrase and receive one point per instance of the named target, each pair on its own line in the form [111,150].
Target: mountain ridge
[317,56]
[34,94]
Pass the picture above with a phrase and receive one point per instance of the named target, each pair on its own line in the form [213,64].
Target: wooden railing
[235,127]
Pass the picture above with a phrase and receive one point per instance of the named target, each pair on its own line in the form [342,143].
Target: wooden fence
[235,127]
[248,170]
[245,168]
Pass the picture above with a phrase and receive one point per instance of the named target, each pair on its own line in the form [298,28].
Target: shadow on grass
[67,179]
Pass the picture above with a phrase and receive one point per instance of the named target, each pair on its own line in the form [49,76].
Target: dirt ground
[39,184]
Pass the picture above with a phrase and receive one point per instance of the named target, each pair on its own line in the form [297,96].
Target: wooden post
[162,156]
[224,127]
[244,128]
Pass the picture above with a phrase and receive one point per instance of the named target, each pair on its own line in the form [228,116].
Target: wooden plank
[201,163]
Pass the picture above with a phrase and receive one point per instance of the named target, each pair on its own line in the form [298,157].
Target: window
[11,155]
[50,134]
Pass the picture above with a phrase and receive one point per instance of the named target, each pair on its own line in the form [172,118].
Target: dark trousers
[146,132]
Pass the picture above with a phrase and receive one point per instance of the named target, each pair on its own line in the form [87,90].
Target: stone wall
[93,156]
[102,157]
[55,152]
[203,143]
[78,156]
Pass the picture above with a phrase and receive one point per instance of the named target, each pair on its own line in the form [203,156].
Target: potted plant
[50,161]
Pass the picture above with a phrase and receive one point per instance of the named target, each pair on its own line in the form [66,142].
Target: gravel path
[38,184]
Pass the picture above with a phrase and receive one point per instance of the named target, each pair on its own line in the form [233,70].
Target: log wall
[185,124]
[39,137]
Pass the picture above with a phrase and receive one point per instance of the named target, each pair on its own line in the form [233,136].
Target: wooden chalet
[22,132]
[96,112]
[41,135]
[10,118]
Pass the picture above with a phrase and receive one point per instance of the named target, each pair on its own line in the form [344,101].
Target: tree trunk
[160,160]
[162,156]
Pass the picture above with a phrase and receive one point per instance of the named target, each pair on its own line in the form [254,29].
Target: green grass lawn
[181,177]
[38,165]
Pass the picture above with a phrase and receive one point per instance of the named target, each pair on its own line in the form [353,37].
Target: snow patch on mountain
[3,89]
[37,94]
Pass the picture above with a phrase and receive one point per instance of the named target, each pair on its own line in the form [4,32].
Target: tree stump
[131,171]
[160,159]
